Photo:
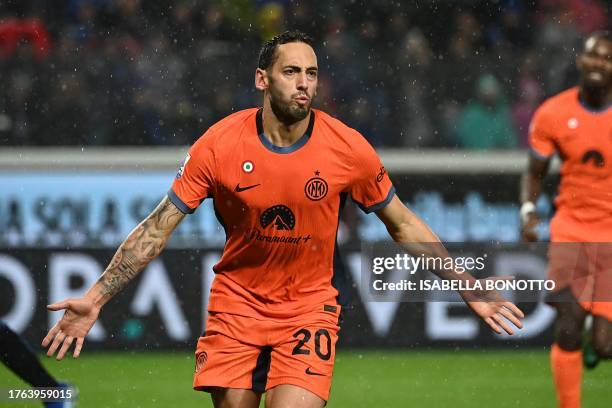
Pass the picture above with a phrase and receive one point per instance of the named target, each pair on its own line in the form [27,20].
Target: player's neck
[280,134]
[596,98]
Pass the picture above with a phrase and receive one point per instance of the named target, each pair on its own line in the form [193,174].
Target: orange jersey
[280,209]
[583,140]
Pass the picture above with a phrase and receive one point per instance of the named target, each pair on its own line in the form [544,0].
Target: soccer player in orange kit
[577,124]
[278,177]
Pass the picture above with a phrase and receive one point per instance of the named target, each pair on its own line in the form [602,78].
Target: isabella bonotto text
[462,285]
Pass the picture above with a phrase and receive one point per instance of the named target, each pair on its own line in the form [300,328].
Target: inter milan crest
[316,187]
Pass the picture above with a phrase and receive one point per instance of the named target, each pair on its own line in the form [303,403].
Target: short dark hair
[599,35]
[268,54]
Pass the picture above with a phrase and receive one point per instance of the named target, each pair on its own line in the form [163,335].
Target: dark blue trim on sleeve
[537,155]
[377,206]
[179,203]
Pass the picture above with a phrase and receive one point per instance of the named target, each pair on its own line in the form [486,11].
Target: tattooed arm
[143,244]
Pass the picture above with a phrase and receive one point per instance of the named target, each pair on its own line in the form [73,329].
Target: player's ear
[261,79]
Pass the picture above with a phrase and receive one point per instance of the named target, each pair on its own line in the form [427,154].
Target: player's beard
[596,86]
[288,113]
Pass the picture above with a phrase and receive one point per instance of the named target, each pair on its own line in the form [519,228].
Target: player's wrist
[96,298]
[528,209]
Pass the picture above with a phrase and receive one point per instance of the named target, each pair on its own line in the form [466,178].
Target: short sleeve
[541,135]
[195,179]
[371,187]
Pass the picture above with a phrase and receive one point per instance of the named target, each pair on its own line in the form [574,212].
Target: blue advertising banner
[98,209]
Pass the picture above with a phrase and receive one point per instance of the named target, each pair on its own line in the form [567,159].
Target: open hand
[80,316]
[496,311]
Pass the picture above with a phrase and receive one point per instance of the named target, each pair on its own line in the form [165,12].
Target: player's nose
[301,81]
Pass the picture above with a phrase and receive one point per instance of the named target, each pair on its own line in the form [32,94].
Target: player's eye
[312,74]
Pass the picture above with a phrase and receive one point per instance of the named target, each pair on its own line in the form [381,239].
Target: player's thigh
[234,398]
[304,355]
[292,396]
[225,359]
[568,324]
[602,336]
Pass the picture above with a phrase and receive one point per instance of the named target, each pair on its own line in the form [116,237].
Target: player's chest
[586,140]
[256,182]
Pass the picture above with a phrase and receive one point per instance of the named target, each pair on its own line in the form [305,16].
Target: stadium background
[100,98]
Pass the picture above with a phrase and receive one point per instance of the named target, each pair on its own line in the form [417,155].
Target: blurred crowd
[406,74]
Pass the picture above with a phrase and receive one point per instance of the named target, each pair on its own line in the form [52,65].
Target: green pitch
[362,379]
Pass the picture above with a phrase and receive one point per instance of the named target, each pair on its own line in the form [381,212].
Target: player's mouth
[302,99]
[595,75]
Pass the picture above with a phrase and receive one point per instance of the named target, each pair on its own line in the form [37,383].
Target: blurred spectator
[486,123]
[104,72]
[17,127]
[160,96]
[16,32]
[347,79]
[270,19]
[556,42]
[529,95]
[586,15]
[413,97]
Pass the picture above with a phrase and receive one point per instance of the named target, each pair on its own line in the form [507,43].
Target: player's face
[595,63]
[292,82]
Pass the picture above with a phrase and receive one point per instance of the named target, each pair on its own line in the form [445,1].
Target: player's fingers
[58,339]
[50,336]
[500,320]
[492,324]
[65,347]
[59,305]
[514,309]
[78,347]
[508,315]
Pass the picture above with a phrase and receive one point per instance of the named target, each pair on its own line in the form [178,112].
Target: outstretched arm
[416,238]
[141,246]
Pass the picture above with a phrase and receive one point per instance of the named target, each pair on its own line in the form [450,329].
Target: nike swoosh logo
[239,189]
[311,373]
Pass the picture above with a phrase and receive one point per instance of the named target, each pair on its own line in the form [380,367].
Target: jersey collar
[591,109]
[283,149]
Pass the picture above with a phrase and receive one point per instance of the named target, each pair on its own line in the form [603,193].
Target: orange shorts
[259,354]
[586,269]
